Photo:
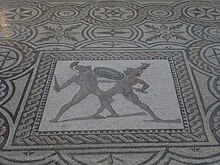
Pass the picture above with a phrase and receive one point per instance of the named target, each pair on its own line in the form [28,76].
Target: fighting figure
[125,87]
[87,80]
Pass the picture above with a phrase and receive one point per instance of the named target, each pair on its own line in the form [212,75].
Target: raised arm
[142,82]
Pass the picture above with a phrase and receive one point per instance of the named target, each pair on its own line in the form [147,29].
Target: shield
[108,73]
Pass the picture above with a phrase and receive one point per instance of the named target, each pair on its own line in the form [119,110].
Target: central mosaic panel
[126,97]
[112,95]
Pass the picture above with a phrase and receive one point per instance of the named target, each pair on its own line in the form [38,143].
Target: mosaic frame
[41,86]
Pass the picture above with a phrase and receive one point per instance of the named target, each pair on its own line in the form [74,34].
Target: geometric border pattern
[48,80]
[23,134]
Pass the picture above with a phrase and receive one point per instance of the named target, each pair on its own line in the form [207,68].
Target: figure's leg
[134,99]
[106,104]
[100,110]
[82,94]
[111,110]
[113,91]
[105,101]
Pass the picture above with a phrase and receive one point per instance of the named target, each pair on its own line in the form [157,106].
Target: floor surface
[109,82]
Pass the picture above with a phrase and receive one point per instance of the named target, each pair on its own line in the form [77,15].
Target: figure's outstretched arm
[58,87]
[106,81]
[142,82]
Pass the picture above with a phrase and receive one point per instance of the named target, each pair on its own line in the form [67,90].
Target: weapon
[56,87]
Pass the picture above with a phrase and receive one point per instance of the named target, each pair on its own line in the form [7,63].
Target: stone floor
[109,82]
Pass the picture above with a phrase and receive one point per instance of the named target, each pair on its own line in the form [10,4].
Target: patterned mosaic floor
[109,82]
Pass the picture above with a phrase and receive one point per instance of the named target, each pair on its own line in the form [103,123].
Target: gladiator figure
[125,87]
[87,80]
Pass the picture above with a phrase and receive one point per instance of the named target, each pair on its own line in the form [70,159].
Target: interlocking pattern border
[23,135]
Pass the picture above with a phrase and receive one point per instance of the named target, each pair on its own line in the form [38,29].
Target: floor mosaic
[109,82]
